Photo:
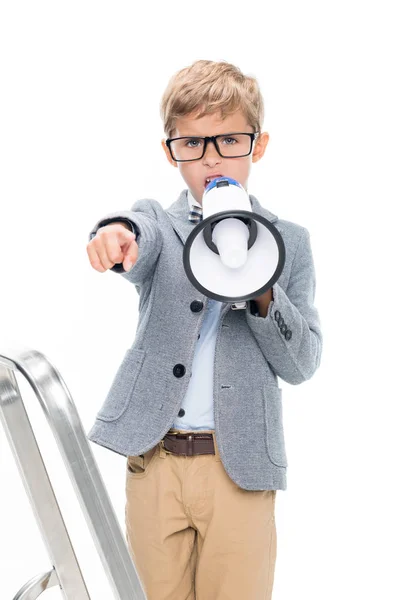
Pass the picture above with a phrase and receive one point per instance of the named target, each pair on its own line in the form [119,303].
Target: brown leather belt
[189,444]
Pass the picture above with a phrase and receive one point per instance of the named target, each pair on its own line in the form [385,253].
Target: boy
[200,517]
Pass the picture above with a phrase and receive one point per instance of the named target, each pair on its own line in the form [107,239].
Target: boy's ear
[259,146]
[168,155]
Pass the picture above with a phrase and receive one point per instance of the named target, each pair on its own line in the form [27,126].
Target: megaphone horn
[233,254]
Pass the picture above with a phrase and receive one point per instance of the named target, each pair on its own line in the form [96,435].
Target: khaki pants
[194,534]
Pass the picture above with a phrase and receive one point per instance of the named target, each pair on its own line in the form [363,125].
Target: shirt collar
[192,200]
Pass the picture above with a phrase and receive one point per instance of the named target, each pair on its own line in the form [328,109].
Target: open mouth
[210,179]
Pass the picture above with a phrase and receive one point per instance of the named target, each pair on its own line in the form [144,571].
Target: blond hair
[207,87]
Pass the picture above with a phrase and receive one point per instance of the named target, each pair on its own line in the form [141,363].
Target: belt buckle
[189,439]
[162,441]
[164,448]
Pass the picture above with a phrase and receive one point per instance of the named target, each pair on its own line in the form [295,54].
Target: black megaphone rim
[223,215]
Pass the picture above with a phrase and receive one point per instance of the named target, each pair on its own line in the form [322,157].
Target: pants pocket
[139,466]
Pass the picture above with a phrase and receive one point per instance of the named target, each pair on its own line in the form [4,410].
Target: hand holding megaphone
[233,254]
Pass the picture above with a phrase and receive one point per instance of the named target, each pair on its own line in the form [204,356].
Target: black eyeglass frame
[212,138]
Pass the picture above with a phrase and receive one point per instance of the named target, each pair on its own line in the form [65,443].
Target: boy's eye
[194,141]
[229,138]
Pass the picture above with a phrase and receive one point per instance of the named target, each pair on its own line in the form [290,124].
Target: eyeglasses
[234,145]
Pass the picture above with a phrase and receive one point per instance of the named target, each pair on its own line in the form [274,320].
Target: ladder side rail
[63,418]
[40,492]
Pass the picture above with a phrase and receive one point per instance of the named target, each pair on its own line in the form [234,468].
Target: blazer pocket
[274,425]
[122,387]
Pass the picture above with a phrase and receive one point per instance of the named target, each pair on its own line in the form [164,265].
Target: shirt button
[281,322]
[181,413]
[288,334]
[277,315]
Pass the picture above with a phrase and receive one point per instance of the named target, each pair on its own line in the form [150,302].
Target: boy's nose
[211,155]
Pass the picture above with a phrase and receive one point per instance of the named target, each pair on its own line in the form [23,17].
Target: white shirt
[198,402]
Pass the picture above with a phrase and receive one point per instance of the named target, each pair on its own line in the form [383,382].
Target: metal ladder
[63,418]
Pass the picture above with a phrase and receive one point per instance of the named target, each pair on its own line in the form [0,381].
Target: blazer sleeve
[290,334]
[142,219]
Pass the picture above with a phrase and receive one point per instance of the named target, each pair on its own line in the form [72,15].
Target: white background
[80,137]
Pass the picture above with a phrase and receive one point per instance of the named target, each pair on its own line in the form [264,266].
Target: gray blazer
[251,352]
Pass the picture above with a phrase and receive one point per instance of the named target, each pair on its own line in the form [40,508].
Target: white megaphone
[233,254]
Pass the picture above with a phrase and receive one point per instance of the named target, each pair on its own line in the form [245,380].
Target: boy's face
[195,172]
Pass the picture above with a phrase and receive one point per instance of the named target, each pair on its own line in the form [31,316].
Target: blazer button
[281,322]
[277,315]
[196,306]
[179,370]
[288,334]
[284,328]
[181,413]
